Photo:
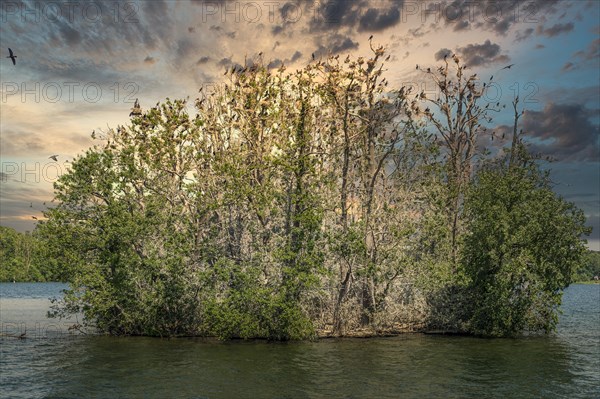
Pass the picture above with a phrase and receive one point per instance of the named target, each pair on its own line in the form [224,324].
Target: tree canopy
[319,201]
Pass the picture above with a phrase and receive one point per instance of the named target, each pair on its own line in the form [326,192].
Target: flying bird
[53,157]
[508,66]
[12,56]
[33,217]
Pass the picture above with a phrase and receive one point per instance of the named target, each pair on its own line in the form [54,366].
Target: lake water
[51,363]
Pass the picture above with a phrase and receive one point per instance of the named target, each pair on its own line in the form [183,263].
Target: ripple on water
[563,365]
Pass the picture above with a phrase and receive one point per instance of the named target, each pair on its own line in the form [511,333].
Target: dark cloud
[482,54]
[493,15]
[336,43]
[443,52]
[296,56]
[520,36]
[224,62]
[564,131]
[334,14]
[377,20]
[276,63]
[555,30]
[462,25]
[70,36]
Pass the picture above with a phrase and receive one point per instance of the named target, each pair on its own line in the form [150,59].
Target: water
[54,364]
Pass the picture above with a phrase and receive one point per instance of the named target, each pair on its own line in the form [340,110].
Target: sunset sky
[80,65]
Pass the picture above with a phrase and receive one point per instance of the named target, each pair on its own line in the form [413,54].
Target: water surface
[54,364]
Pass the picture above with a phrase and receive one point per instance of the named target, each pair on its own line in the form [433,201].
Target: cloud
[296,56]
[569,66]
[462,25]
[482,54]
[555,30]
[493,15]
[335,43]
[377,20]
[564,131]
[591,53]
[333,15]
[442,53]
[276,63]
[526,34]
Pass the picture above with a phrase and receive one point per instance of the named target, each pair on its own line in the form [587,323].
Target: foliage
[522,249]
[24,257]
[306,202]
[590,267]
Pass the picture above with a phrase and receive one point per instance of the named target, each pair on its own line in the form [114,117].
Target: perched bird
[508,66]
[417,66]
[370,37]
[53,157]
[12,56]
[136,110]
[313,56]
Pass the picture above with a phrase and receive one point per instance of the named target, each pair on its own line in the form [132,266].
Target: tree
[522,248]
[300,202]
[24,258]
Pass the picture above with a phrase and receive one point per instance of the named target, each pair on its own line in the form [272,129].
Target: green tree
[22,258]
[522,248]
[590,267]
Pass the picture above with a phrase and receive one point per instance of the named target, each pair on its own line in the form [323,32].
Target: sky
[81,64]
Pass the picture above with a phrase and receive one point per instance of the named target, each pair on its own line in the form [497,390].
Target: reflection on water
[564,365]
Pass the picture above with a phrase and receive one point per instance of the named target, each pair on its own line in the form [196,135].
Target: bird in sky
[12,56]
[508,66]
[54,157]
[33,217]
